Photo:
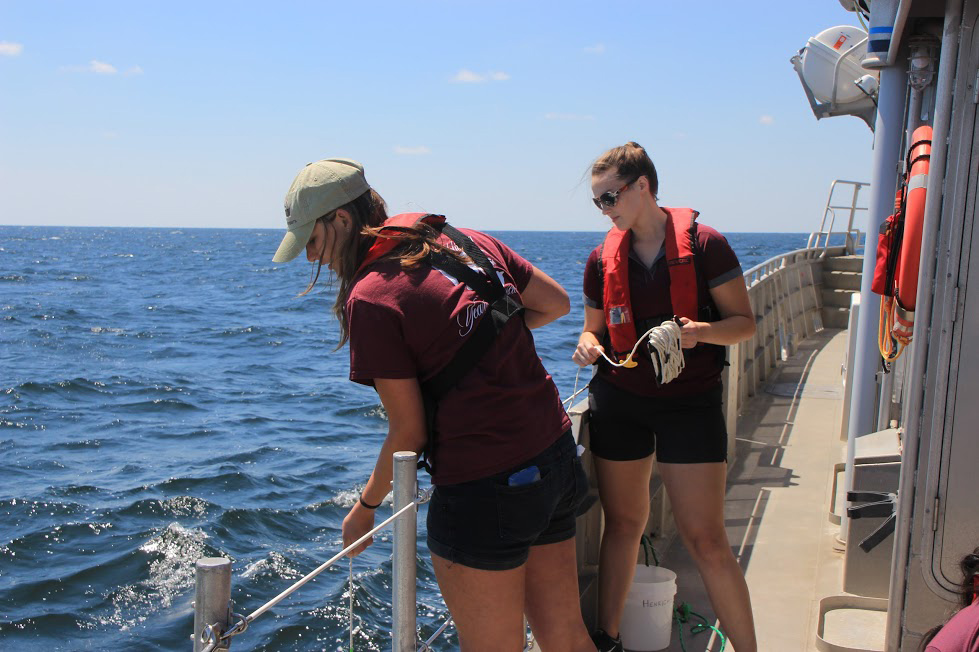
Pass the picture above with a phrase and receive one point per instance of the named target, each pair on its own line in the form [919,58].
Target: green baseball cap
[318,189]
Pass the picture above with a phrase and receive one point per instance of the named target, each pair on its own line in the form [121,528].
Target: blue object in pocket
[524,476]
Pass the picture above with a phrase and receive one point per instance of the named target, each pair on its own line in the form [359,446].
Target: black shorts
[490,524]
[679,429]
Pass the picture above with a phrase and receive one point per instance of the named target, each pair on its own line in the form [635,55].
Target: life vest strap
[502,307]
[485,283]
[680,234]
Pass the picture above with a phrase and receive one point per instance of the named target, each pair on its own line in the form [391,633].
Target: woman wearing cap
[504,464]
[629,287]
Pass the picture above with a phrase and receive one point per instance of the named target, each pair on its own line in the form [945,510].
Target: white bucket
[647,622]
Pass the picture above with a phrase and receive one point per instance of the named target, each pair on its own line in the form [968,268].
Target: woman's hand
[589,345]
[358,522]
[690,333]
[587,351]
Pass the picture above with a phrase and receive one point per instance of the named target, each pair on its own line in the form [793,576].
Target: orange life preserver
[616,300]
[900,297]
[400,222]
[906,279]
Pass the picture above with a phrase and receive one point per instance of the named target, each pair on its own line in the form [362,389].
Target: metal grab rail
[852,236]
[212,604]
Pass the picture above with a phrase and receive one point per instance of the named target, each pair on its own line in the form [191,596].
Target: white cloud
[468,77]
[465,76]
[417,150]
[9,49]
[101,68]
[598,48]
[766,120]
[568,116]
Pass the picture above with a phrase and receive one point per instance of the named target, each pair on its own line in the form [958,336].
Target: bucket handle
[647,548]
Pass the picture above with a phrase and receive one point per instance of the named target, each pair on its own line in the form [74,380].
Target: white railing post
[405,546]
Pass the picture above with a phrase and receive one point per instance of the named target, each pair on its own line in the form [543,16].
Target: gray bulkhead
[940,413]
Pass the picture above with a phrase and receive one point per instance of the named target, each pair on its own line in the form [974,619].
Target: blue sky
[200,114]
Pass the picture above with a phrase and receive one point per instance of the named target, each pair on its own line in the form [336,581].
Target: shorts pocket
[524,511]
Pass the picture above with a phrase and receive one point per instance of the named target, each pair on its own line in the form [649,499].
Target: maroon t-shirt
[410,323]
[960,634]
[649,289]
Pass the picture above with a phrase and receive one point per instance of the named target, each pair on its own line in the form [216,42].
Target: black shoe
[606,643]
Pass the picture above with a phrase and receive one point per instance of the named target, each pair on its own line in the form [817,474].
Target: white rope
[666,352]
[576,391]
[350,608]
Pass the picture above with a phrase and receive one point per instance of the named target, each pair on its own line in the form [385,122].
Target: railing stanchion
[212,598]
[405,545]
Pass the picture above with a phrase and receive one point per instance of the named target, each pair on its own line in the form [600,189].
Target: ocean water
[165,396]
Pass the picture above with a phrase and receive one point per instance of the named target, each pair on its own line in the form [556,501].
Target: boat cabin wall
[940,412]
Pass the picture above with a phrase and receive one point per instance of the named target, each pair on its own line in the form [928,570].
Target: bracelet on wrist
[367,505]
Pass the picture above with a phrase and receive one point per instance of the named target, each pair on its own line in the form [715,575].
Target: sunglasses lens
[597,202]
[607,199]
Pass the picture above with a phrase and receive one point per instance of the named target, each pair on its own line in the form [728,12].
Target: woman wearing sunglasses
[657,263]
[414,296]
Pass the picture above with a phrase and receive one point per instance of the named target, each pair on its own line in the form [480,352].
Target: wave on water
[170,573]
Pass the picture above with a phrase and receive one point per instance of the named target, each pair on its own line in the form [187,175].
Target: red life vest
[401,222]
[617,303]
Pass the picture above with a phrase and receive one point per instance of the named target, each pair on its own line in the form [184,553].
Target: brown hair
[629,161]
[368,212]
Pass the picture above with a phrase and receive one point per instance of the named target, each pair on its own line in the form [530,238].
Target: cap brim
[293,243]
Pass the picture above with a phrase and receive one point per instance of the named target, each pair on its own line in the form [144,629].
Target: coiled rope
[665,350]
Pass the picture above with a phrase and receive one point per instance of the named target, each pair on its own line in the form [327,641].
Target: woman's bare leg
[552,604]
[486,606]
[624,490]
[696,494]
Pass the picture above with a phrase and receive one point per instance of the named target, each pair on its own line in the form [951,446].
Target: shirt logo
[468,317]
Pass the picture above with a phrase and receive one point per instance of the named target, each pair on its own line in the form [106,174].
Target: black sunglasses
[608,198]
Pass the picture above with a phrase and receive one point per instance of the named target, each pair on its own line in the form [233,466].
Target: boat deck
[779,485]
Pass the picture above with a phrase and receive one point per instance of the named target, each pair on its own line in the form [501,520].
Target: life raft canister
[906,276]
[616,300]
[401,222]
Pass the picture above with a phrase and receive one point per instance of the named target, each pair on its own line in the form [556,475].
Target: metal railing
[787,307]
[215,624]
[851,235]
